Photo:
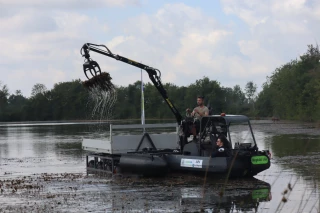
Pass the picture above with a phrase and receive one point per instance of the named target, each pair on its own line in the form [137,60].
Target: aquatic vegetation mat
[77,192]
[102,81]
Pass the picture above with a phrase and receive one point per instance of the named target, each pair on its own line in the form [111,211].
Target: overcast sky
[229,41]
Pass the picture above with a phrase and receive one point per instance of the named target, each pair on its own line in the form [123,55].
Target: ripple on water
[56,150]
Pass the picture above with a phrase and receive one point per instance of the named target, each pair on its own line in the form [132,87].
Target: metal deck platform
[104,154]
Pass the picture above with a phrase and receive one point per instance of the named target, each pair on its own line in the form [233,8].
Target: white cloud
[199,49]
[192,45]
[182,42]
[248,48]
[41,41]
[250,11]
[42,47]
[24,43]
[65,4]
[289,6]
[116,41]
[278,30]
[254,12]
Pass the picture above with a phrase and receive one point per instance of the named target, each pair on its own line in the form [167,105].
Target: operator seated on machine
[198,112]
[221,148]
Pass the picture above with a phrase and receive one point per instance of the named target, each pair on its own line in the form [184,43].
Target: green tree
[16,104]
[292,91]
[251,89]
[38,89]
[4,93]
[237,101]
[69,100]
[264,101]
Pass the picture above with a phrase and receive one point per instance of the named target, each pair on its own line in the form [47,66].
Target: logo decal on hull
[260,194]
[256,160]
[193,163]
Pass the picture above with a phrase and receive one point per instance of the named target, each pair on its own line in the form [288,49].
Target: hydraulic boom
[93,67]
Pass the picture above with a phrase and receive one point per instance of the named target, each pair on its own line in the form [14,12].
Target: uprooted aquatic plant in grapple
[103,81]
[103,95]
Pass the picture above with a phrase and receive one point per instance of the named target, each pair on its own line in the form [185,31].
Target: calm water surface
[35,149]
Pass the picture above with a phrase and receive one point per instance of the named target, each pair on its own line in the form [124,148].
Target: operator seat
[228,145]
[214,137]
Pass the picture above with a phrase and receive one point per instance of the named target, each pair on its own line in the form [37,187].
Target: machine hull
[157,154]
[161,165]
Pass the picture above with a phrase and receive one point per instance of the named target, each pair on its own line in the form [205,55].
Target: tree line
[291,92]
[70,101]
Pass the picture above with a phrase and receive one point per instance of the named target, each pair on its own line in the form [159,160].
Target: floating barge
[159,153]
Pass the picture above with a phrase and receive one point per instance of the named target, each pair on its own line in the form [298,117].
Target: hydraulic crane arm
[93,67]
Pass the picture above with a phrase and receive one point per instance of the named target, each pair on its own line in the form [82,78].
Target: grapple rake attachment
[92,67]
[96,78]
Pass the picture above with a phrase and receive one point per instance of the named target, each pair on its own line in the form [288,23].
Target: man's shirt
[202,110]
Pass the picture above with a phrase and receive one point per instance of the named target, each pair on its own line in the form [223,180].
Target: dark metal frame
[102,157]
[227,120]
[149,139]
[115,157]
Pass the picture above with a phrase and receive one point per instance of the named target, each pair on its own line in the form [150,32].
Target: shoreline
[84,121]
[151,119]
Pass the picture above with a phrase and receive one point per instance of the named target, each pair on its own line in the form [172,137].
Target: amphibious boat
[154,153]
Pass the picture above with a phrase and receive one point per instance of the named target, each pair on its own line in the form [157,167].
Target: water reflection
[188,196]
[4,143]
[294,145]
[246,199]
[295,161]
[37,149]
[298,152]
[26,150]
